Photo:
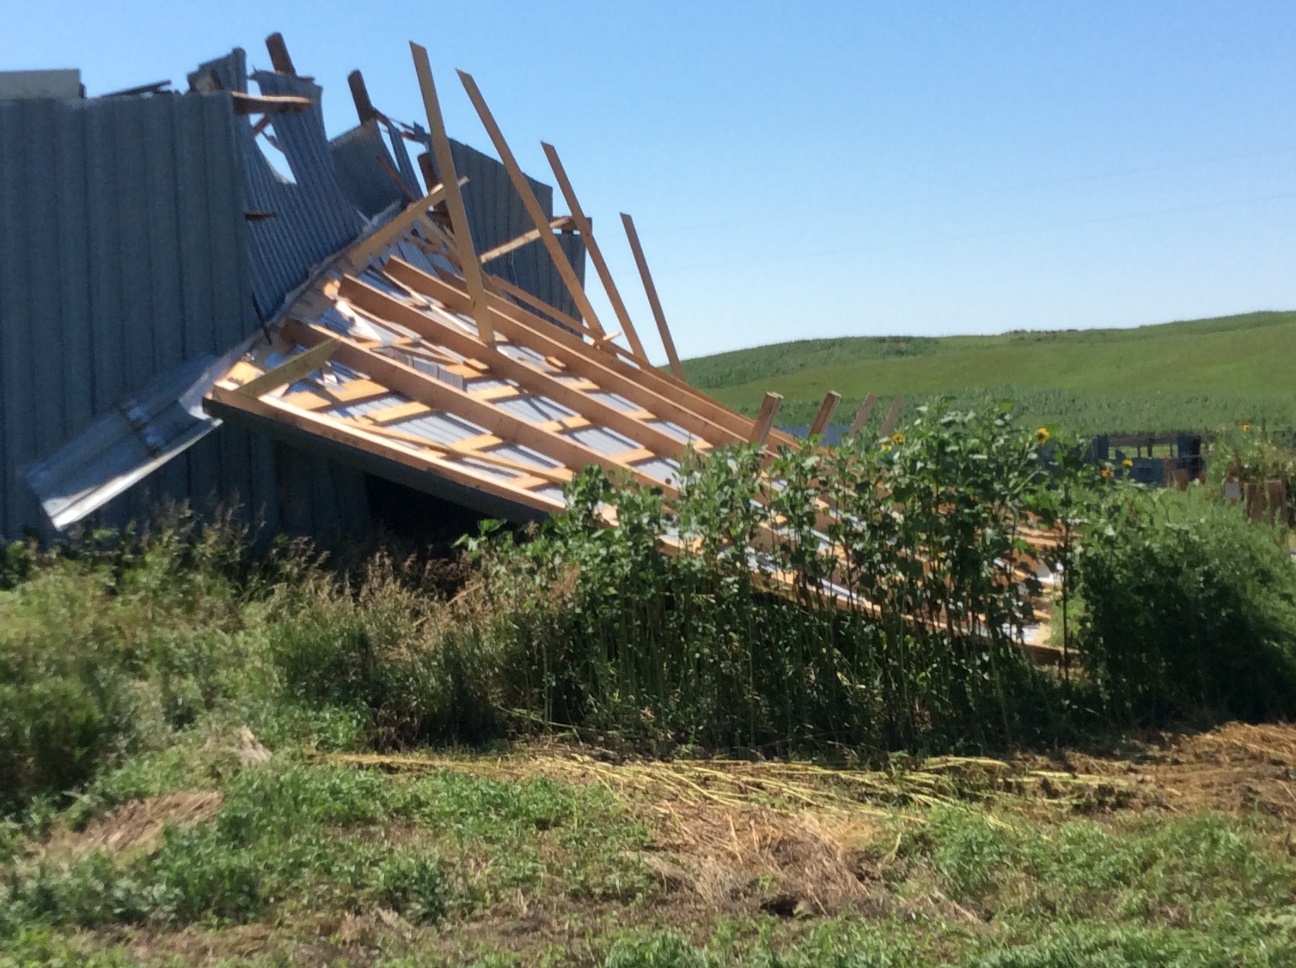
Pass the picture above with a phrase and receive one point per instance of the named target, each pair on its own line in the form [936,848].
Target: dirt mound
[138,824]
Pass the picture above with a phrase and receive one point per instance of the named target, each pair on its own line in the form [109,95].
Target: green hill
[1200,374]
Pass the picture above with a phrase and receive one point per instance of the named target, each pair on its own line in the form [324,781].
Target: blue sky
[803,170]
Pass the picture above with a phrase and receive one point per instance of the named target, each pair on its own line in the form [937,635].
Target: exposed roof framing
[406,355]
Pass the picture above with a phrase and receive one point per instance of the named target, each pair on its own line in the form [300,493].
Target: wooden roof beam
[862,414]
[454,199]
[582,359]
[653,301]
[825,413]
[680,403]
[595,253]
[531,204]
[279,58]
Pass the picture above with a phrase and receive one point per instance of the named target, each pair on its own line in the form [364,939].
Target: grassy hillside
[1200,374]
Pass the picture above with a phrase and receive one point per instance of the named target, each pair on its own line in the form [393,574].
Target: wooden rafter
[595,253]
[454,198]
[654,302]
[532,205]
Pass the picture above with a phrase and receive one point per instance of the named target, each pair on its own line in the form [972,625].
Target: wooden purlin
[371,442]
[290,371]
[526,238]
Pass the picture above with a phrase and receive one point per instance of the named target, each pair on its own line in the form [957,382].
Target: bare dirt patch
[1238,768]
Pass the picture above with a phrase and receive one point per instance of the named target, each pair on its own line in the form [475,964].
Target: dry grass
[135,827]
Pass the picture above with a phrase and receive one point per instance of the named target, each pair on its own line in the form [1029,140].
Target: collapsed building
[181,320]
[146,235]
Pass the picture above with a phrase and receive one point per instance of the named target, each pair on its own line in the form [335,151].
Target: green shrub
[108,648]
[1189,611]
[604,629]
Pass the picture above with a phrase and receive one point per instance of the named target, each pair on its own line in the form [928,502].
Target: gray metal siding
[124,253]
[369,185]
[121,255]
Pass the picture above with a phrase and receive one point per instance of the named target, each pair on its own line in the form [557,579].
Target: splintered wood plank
[653,301]
[862,414]
[531,204]
[825,413]
[454,198]
[765,419]
[595,253]
[245,103]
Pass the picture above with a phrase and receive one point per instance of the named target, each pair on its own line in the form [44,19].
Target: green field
[1200,374]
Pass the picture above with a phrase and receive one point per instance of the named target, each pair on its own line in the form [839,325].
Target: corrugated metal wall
[496,215]
[122,255]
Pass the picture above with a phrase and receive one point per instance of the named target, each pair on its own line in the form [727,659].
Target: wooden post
[586,231]
[454,198]
[888,424]
[765,419]
[825,413]
[532,205]
[653,301]
[360,95]
[279,58]
[862,414]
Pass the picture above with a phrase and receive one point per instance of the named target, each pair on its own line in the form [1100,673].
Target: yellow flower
[1127,463]
[1246,428]
[1042,435]
[1106,473]
[898,438]
[886,445]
